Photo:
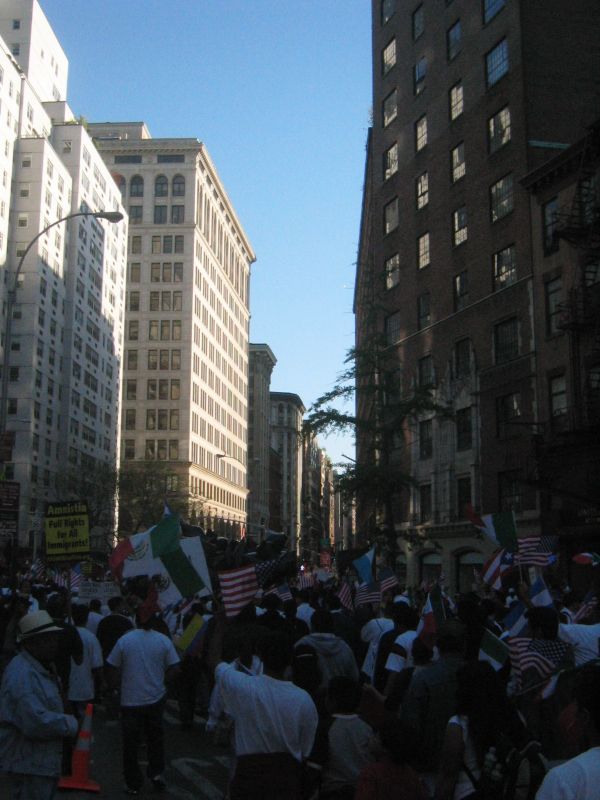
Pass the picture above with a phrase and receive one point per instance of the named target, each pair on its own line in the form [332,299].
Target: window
[153,330]
[491,8]
[154,301]
[423,252]
[419,74]
[163,389]
[132,359]
[423,310]
[426,439]
[15,49]
[463,495]
[150,419]
[170,158]
[418,22]
[499,129]
[135,215]
[130,419]
[390,161]
[136,186]
[178,244]
[421,133]
[175,359]
[426,371]
[464,436]
[131,390]
[175,390]
[456,100]
[459,226]
[501,198]
[16,24]
[134,301]
[155,273]
[150,450]
[177,301]
[388,7]
[506,340]
[161,453]
[151,389]
[425,508]
[152,359]
[135,272]
[129,448]
[393,328]
[161,186]
[461,290]
[505,267]
[453,40]
[177,215]
[174,419]
[165,330]
[422,190]
[12,405]
[462,358]
[167,273]
[553,295]
[173,449]
[160,215]
[392,271]
[557,389]
[459,166]
[388,57]
[508,409]
[549,220]
[136,245]
[390,107]
[390,216]
[129,159]
[496,63]
[134,328]
[509,491]
[178,186]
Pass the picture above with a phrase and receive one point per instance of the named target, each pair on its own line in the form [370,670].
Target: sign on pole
[98,590]
[9,509]
[67,530]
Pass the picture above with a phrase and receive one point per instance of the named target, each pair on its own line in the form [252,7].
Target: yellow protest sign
[67,530]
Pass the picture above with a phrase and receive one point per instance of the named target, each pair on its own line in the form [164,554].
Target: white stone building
[185,392]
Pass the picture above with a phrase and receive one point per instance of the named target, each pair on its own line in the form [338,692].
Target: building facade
[185,382]
[261,363]
[469,97]
[287,412]
[67,321]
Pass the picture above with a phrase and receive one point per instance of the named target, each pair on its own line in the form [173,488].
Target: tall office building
[67,320]
[185,382]
[261,366]
[469,97]
[287,412]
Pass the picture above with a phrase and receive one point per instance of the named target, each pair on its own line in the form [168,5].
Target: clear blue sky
[279,91]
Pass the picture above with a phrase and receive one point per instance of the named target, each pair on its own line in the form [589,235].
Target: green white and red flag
[587,559]
[500,528]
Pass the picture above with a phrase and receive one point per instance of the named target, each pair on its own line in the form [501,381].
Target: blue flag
[364,566]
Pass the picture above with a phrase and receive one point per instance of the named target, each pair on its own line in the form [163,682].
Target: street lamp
[110,216]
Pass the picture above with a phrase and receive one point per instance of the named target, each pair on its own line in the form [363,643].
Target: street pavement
[197,769]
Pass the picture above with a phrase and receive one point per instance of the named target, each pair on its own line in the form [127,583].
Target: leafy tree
[96,484]
[144,487]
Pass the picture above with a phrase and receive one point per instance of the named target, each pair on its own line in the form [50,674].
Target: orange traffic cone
[79,778]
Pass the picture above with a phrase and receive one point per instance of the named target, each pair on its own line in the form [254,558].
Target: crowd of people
[314,698]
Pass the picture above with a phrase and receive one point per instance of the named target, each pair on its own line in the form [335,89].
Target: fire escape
[577,439]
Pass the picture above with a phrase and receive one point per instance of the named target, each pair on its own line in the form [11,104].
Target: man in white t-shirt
[147,659]
[585,640]
[275,724]
[83,676]
[579,778]
[304,610]
[94,616]
[370,633]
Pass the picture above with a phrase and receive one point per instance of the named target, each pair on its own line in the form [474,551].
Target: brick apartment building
[469,98]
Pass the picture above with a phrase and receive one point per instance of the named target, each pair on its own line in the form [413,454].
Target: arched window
[121,184]
[178,186]
[430,567]
[161,186]
[136,186]
[466,564]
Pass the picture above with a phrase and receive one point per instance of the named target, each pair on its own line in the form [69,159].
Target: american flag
[589,603]
[494,568]
[306,580]
[536,551]
[266,570]
[238,587]
[368,593]
[75,578]
[543,656]
[37,570]
[345,595]
[283,592]
[59,578]
[387,579]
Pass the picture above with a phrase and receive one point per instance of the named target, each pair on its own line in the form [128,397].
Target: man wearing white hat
[32,718]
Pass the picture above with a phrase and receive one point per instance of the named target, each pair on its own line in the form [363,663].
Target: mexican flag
[493,650]
[432,615]
[587,559]
[178,565]
[501,528]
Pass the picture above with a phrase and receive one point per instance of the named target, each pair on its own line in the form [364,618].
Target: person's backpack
[510,772]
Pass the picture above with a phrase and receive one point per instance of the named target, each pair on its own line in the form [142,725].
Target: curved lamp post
[111,216]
